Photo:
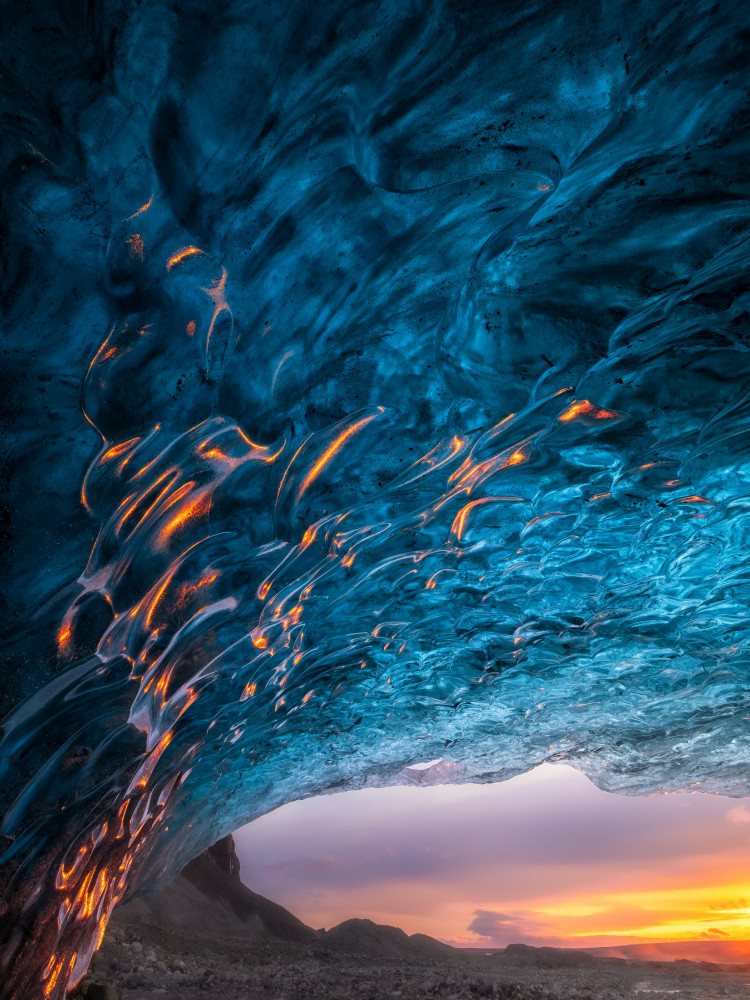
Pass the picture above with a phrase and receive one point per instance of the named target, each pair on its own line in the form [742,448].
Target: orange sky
[545,858]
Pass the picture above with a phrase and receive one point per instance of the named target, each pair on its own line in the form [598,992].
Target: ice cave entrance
[545,858]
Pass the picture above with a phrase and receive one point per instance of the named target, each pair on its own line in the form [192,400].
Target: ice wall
[378,390]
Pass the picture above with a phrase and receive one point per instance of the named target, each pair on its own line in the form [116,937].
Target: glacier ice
[380,393]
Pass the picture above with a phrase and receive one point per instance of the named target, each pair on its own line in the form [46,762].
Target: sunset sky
[545,858]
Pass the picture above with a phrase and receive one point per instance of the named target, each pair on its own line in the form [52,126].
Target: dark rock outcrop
[208,898]
[224,855]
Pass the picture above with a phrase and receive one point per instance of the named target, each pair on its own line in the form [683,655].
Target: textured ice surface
[414,421]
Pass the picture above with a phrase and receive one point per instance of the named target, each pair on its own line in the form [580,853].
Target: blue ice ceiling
[379,391]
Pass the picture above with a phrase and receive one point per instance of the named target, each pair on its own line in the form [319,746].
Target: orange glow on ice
[64,636]
[197,507]
[459,522]
[589,411]
[249,691]
[181,255]
[142,209]
[335,446]
[694,499]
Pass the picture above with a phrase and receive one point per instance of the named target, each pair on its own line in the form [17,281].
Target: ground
[153,964]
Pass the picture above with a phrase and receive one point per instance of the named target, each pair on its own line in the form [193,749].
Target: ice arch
[414,350]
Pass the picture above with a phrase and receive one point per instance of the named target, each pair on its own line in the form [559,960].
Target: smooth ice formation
[380,384]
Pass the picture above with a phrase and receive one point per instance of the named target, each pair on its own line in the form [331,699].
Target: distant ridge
[731,953]
[721,952]
[366,937]
[526,954]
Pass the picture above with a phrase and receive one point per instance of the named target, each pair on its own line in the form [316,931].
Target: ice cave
[377,389]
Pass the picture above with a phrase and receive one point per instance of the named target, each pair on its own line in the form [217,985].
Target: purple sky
[543,858]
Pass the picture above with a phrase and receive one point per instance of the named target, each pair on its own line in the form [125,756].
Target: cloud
[307,866]
[740,814]
[489,923]
[508,928]
[713,932]
[738,903]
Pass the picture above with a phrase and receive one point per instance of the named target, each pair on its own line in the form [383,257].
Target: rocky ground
[140,963]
